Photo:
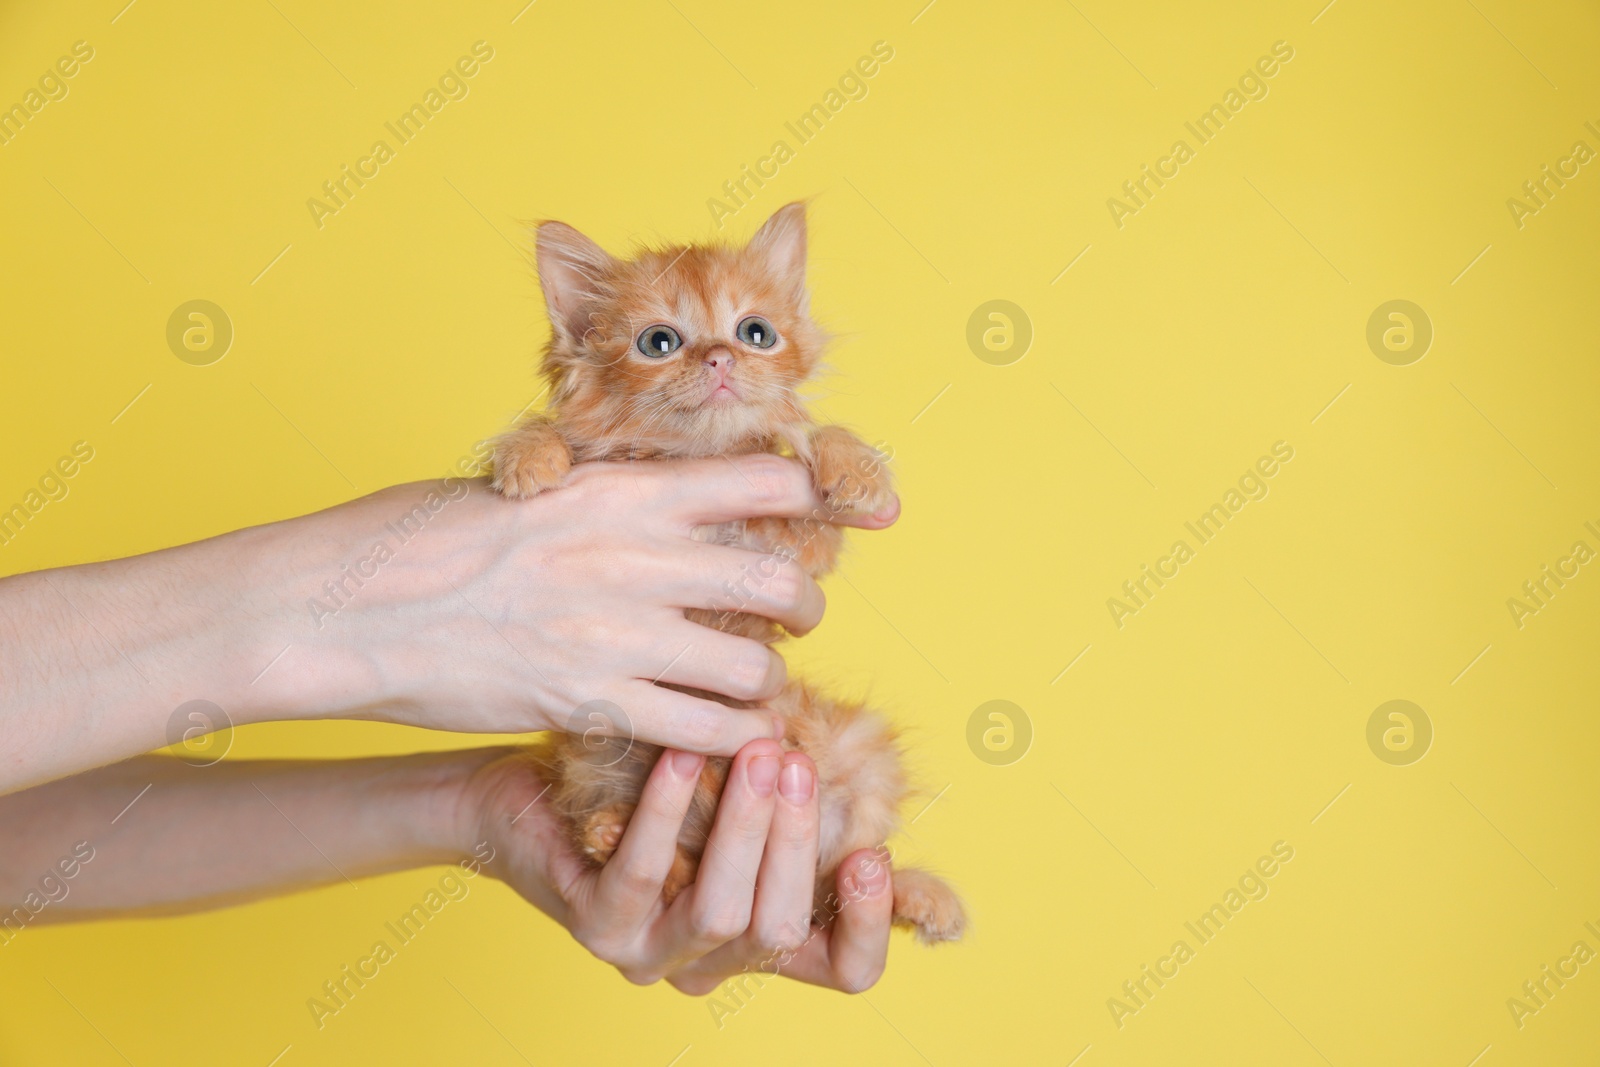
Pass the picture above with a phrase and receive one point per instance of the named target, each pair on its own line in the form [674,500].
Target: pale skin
[240,830]
[498,617]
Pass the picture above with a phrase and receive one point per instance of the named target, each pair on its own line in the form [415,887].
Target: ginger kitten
[695,351]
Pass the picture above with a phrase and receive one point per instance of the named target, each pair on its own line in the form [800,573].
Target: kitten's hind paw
[602,831]
[926,904]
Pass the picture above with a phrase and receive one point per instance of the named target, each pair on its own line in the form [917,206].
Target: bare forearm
[96,660]
[155,835]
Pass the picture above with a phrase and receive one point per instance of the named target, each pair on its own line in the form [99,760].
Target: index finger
[678,720]
[728,488]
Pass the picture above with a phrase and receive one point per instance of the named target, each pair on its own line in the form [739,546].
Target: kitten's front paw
[927,905]
[852,477]
[530,459]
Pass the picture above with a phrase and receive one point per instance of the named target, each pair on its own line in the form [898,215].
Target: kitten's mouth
[721,393]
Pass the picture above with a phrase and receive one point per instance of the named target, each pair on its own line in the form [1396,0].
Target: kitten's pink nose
[720,359]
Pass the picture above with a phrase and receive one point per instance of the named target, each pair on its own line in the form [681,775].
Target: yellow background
[1223,317]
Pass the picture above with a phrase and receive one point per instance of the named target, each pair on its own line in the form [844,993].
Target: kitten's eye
[659,341]
[757,332]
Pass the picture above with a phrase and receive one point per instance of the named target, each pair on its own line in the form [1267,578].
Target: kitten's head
[684,350]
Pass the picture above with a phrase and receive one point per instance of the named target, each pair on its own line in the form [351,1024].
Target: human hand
[507,616]
[435,604]
[751,908]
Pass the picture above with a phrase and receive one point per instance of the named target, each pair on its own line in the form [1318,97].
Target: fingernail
[872,874]
[797,781]
[886,513]
[686,764]
[763,775]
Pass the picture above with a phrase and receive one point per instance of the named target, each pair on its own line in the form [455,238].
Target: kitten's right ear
[781,244]
[575,274]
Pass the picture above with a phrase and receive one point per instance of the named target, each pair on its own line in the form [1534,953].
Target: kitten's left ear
[781,243]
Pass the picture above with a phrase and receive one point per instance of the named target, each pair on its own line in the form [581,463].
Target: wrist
[421,805]
[456,790]
[297,619]
[297,659]
[354,598]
